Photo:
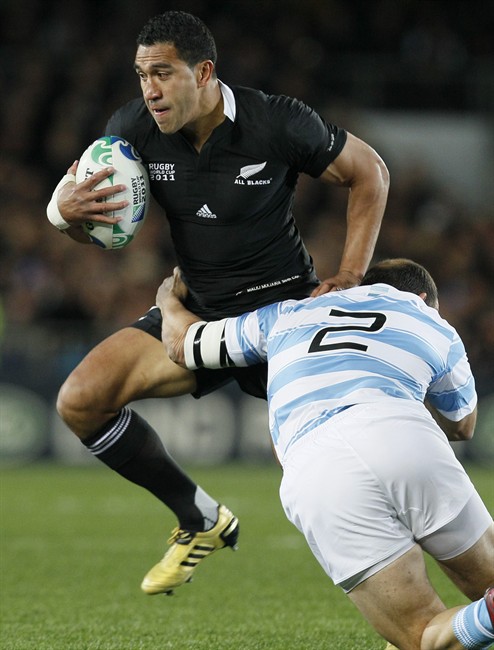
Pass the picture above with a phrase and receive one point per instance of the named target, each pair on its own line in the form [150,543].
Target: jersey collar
[229,105]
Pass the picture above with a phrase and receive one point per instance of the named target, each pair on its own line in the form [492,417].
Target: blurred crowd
[67,65]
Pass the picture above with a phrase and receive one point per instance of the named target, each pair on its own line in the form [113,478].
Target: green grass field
[76,543]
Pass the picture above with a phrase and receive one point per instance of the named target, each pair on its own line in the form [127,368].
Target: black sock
[131,447]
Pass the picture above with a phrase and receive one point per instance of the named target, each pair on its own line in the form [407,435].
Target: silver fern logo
[250,170]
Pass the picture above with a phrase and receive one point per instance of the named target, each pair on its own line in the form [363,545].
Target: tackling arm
[176,318]
[193,343]
[361,169]
[189,341]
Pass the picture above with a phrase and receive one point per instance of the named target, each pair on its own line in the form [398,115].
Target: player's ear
[204,71]
[435,305]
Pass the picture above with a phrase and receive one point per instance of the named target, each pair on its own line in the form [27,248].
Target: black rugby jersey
[230,206]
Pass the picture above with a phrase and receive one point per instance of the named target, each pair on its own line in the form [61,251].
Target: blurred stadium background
[415,79]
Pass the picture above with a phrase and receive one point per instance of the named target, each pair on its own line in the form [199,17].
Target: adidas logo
[206,213]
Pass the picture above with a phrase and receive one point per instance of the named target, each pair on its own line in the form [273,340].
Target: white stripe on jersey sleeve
[454,394]
[245,340]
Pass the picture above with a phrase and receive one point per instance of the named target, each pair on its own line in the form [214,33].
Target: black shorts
[251,380]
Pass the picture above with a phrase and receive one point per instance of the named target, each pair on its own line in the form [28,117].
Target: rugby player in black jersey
[223,164]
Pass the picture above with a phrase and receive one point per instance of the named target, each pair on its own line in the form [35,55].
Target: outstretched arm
[359,168]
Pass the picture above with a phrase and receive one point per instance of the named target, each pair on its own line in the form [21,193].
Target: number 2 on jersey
[377,324]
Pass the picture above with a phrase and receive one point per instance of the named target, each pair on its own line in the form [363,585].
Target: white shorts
[371,482]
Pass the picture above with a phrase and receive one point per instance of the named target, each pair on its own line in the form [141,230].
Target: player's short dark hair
[190,36]
[405,275]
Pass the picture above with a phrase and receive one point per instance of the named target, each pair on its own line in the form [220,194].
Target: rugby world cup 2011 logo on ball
[113,151]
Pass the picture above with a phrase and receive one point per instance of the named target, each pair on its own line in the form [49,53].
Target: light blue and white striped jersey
[362,345]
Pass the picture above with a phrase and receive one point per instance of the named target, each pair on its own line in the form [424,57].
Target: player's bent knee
[72,402]
[83,408]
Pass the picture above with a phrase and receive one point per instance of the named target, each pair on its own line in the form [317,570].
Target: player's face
[169,86]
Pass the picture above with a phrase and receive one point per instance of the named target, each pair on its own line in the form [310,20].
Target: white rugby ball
[112,151]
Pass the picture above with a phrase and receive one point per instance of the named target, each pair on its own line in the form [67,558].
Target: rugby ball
[112,151]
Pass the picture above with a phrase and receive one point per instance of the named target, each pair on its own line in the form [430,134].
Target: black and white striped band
[204,345]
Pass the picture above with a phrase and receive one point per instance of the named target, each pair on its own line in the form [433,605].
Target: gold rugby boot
[187,550]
